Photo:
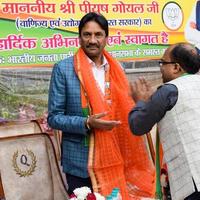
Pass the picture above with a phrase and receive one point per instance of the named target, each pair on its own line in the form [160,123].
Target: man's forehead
[168,51]
[170,48]
[93,26]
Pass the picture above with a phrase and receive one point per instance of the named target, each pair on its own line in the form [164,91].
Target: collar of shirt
[99,73]
[104,64]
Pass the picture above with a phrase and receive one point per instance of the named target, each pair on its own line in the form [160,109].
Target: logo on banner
[172,16]
[24,163]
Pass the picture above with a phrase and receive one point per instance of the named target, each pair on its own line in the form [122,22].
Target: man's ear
[178,68]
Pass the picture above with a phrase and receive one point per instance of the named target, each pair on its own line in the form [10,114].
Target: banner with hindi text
[41,32]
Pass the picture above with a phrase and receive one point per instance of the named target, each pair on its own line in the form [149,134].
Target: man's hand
[95,122]
[140,90]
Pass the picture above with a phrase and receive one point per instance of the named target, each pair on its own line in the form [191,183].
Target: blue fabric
[198,15]
[65,114]
[146,114]
[193,196]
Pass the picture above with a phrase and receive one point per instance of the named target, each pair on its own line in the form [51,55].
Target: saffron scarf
[117,158]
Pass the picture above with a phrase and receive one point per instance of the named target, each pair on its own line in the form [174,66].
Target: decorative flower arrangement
[84,193]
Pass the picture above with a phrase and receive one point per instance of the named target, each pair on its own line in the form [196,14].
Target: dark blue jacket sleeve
[146,114]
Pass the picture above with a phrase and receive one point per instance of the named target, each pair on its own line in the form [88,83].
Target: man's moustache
[88,46]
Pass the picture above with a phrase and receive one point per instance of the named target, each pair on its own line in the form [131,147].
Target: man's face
[92,39]
[167,66]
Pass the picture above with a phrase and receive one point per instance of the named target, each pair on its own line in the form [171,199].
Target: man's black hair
[186,55]
[96,17]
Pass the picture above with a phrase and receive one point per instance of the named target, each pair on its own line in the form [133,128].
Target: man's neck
[184,74]
[97,60]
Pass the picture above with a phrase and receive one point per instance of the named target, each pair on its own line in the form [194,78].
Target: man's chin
[92,53]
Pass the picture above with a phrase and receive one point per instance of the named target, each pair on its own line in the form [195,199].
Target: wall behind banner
[34,34]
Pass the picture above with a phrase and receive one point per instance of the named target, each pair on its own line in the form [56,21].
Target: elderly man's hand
[140,90]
